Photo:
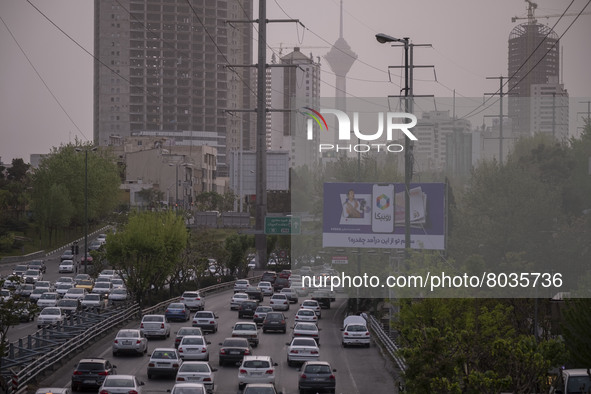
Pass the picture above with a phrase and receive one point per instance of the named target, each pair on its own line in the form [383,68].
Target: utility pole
[409,96]
[501,116]
[261,134]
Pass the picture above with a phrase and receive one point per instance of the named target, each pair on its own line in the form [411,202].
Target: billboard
[371,215]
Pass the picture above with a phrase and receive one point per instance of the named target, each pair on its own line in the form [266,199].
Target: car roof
[248,358]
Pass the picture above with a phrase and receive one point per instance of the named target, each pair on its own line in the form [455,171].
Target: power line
[42,80]
[475,111]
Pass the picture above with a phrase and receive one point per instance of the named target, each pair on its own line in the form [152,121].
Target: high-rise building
[293,87]
[161,70]
[533,60]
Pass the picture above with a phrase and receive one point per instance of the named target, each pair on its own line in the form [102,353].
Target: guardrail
[386,342]
[20,379]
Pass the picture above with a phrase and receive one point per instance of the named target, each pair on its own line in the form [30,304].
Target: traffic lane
[360,370]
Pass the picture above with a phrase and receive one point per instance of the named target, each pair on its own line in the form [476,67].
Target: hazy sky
[469,39]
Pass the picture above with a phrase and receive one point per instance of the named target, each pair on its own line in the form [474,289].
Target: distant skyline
[469,40]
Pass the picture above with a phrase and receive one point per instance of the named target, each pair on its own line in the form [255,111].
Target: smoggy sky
[469,39]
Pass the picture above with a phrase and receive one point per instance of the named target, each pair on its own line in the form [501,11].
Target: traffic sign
[283,225]
[340,260]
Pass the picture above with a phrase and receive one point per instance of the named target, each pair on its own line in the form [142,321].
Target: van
[354,319]
[571,381]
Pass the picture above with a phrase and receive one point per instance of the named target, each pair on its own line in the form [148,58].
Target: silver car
[130,340]
[50,316]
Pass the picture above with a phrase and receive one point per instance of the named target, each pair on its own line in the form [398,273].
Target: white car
[246,330]
[129,340]
[266,288]
[241,285]
[188,388]
[206,320]
[64,280]
[102,238]
[306,315]
[92,301]
[5,295]
[279,302]
[102,288]
[312,304]
[193,347]
[63,288]
[237,299]
[197,372]
[356,334]
[75,293]
[309,330]
[155,326]
[118,295]
[44,284]
[32,276]
[256,369]
[301,350]
[164,361]
[193,300]
[66,266]
[50,316]
[48,299]
[117,283]
[121,384]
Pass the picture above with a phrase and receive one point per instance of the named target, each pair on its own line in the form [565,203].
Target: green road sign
[283,225]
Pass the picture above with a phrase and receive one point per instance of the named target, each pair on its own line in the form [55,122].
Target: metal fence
[386,342]
[37,353]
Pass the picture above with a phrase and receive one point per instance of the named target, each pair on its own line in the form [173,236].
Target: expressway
[359,370]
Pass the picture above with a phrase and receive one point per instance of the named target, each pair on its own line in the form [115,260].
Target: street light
[86,202]
[382,39]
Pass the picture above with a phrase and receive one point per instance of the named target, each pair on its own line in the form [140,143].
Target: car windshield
[256,364]
[64,286]
[311,304]
[119,382]
[67,303]
[578,384]
[245,327]
[208,315]
[305,327]
[32,272]
[85,283]
[190,331]
[194,367]
[235,343]
[313,369]
[92,297]
[276,316]
[176,306]
[164,354]
[190,295]
[303,342]
[356,328]
[154,318]
[75,291]
[46,296]
[84,366]
[187,390]
[240,296]
[264,309]
[128,334]
[119,291]
[305,313]
[50,312]
[192,341]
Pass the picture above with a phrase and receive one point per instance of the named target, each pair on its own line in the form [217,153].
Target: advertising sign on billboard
[371,215]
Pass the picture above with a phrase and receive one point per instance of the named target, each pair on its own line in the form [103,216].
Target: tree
[65,168]
[237,247]
[577,320]
[148,249]
[151,197]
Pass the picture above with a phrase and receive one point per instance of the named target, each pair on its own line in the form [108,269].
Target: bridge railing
[387,343]
[57,349]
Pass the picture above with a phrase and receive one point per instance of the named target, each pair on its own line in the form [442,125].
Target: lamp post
[86,203]
[382,39]
[176,185]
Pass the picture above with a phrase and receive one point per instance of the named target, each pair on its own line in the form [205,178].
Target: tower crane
[531,7]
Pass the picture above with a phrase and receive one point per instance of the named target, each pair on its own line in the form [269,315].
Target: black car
[269,276]
[275,321]
[91,372]
[233,350]
[247,308]
[255,293]
[280,283]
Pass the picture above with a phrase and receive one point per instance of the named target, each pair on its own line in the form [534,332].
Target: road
[359,370]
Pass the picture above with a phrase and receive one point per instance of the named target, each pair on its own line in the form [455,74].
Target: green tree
[148,249]
[65,167]
[577,320]
[237,247]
